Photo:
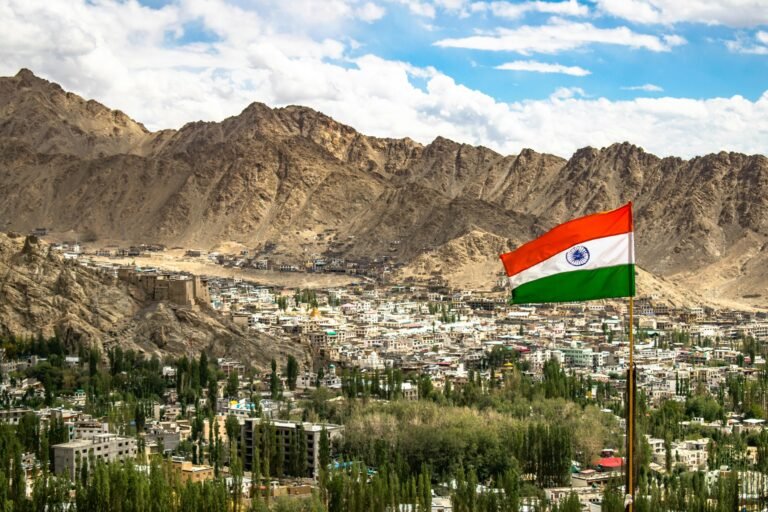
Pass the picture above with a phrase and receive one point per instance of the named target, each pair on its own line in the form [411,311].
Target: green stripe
[601,283]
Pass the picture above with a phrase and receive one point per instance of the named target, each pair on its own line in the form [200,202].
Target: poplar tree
[274,382]
[324,449]
[292,372]
[203,369]
[279,455]
[303,451]
[255,463]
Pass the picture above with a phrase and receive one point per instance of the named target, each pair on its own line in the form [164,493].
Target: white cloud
[673,40]
[419,7]
[370,12]
[734,13]
[543,67]
[564,93]
[119,54]
[560,35]
[644,87]
[516,10]
[452,5]
[310,16]
[638,11]
[743,44]
[429,8]
[738,47]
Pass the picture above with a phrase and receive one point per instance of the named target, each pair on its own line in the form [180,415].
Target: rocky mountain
[306,184]
[41,293]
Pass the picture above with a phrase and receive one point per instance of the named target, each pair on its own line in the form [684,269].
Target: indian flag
[591,257]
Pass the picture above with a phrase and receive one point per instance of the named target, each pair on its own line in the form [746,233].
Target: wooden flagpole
[631,410]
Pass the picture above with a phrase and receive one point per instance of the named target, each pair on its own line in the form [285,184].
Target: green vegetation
[412,435]
[488,441]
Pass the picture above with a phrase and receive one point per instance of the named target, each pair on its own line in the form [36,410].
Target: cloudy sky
[678,77]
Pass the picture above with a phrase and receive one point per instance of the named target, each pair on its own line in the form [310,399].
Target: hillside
[40,293]
[297,179]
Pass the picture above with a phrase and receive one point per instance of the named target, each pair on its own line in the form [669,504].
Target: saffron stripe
[566,235]
[578,285]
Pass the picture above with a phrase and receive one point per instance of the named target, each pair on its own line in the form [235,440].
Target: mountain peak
[42,116]
[27,78]
[26,74]
[625,148]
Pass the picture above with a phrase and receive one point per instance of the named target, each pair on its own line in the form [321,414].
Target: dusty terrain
[43,294]
[291,184]
[175,261]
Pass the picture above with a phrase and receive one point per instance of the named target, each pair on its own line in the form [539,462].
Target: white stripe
[603,252]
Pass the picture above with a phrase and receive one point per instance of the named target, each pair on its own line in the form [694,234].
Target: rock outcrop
[44,294]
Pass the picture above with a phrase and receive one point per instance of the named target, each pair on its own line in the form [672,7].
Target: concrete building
[89,429]
[229,366]
[283,431]
[410,391]
[12,416]
[758,330]
[69,457]
[577,357]
[189,472]
[692,453]
[165,436]
[327,337]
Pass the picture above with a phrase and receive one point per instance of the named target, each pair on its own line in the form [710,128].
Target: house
[607,464]
[189,472]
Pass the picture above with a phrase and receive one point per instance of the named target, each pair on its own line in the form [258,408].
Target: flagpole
[631,409]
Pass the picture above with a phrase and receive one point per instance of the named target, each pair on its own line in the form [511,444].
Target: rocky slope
[40,293]
[298,179]
[470,263]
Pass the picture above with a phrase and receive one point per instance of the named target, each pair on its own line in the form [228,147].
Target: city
[373,349]
[384,256]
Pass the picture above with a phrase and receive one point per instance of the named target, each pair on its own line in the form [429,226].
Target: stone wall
[181,290]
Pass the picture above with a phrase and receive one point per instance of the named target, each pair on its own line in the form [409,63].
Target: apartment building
[89,429]
[284,430]
[12,416]
[69,457]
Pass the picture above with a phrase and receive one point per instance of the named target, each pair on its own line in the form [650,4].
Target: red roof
[610,462]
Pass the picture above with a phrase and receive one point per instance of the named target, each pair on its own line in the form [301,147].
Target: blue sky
[703,67]
[677,77]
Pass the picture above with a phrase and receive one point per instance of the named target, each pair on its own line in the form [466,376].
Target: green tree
[570,504]
[93,362]
[233,384]
[213,392]
[232,428]
[292,372]
[255,462]
[302,452]
[324,449]
[274,382]
[612,499]
[279,453]
[28,432]
[140,417]
[204,370]
[18,483]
